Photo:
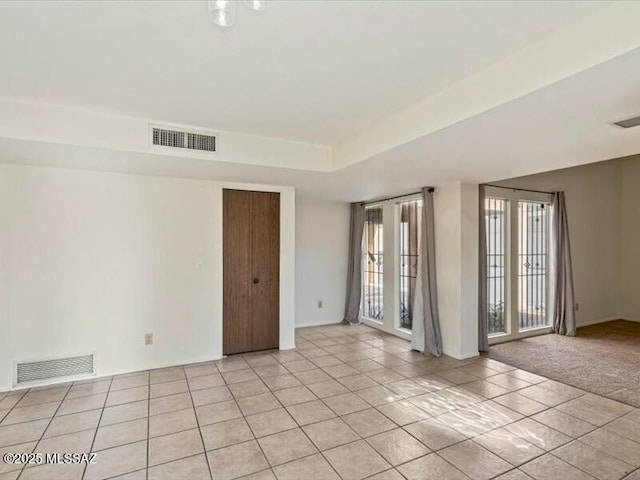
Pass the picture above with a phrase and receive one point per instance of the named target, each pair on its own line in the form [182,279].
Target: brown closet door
[251,270]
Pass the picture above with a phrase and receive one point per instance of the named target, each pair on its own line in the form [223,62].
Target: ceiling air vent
[629,122]
[176,138]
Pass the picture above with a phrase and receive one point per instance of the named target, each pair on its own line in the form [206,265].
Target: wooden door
[251,271]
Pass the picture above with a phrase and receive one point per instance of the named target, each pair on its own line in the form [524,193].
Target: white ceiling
[566,124]
[317,72]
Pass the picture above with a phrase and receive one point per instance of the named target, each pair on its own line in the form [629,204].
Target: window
[410,214]
[372,264]
[517,228]
[389,281]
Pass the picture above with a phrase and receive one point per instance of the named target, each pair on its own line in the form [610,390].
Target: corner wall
[630,239]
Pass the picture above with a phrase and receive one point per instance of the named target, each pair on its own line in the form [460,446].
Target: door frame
[287,261]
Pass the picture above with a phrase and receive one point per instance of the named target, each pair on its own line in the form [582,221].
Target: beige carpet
[603,359]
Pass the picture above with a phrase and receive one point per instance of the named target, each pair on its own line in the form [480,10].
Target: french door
[518,248]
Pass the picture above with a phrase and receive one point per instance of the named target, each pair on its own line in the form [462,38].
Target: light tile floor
[349,403]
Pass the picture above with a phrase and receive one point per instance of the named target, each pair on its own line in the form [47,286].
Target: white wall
[630,239]
[594,205]
[322,248]
[90,262]
[456,232]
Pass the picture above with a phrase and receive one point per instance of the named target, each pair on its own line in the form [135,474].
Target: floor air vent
[47,370]
[174,138]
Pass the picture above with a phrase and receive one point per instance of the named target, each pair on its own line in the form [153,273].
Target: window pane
[495,223]
[533,230]
[372,263]
[410,214]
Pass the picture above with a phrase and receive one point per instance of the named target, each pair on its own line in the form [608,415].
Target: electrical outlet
[148,338]
[577,306]
[319,303]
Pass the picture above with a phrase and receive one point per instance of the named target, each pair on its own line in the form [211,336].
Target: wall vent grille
[46,370]
[172,138]
[629,122]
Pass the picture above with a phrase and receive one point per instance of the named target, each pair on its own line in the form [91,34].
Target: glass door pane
[372,264]
[533,244]
[495,224]
[410,215]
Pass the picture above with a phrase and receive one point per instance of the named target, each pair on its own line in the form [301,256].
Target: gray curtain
[563,313]
[354,274]
[432,335]
[483,327]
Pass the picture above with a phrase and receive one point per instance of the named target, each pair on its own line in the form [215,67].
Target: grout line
[204,447]
[84,471]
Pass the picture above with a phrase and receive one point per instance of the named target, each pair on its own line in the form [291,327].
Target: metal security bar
[533,244]
[495,223]
[372,264]
[410,214]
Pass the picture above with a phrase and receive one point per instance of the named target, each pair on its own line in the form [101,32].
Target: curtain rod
[431,189]
[517,189]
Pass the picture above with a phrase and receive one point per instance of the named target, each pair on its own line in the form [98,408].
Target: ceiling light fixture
[223,12]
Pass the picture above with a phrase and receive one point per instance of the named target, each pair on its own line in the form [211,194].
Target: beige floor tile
[125,396]
[113,435]
[367,366]
[211,395]
[30,413]
[514,475]
[479,418]
[231,364]
[475,461]
[22,448]
[313,376]
[456,376]
[325,361]
[172,447]
[407,388]
[368,422]
[270,370]
[248,389]
[356,460]
[330,433]
[299,366]
[84,389]
[486,389]
[258,403]
[201,370]
[170,403]
[338,371]
[397,446]
[509,447]
[117,461]
[236,461]
[263,475]
[595,409]
[558,420]
[538,434]
[507,381]
[168,388]
[625,428]
[124,413]
[260,360]
[172,422]
[391,474]
[357,381]
[378,395]
[47,395]
[549,467]
[217,412]
[281,381]
[435,434]
[384,375]
[527,376]
[53,471]
[633,476]
[22,432]
[551,398]
[521,404]
[82,404]
[314,467]
[223,434]
[169,374]
[403,412]
[286,446]
[478,371]
[271,422]
[431,467]
[192,468]
[205,381]
[238,376]
[295,395]
[432,382]
[310,412]
[132,381]
[286,357]
[619,447]
[592,461]
[327,388]
[346,403]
